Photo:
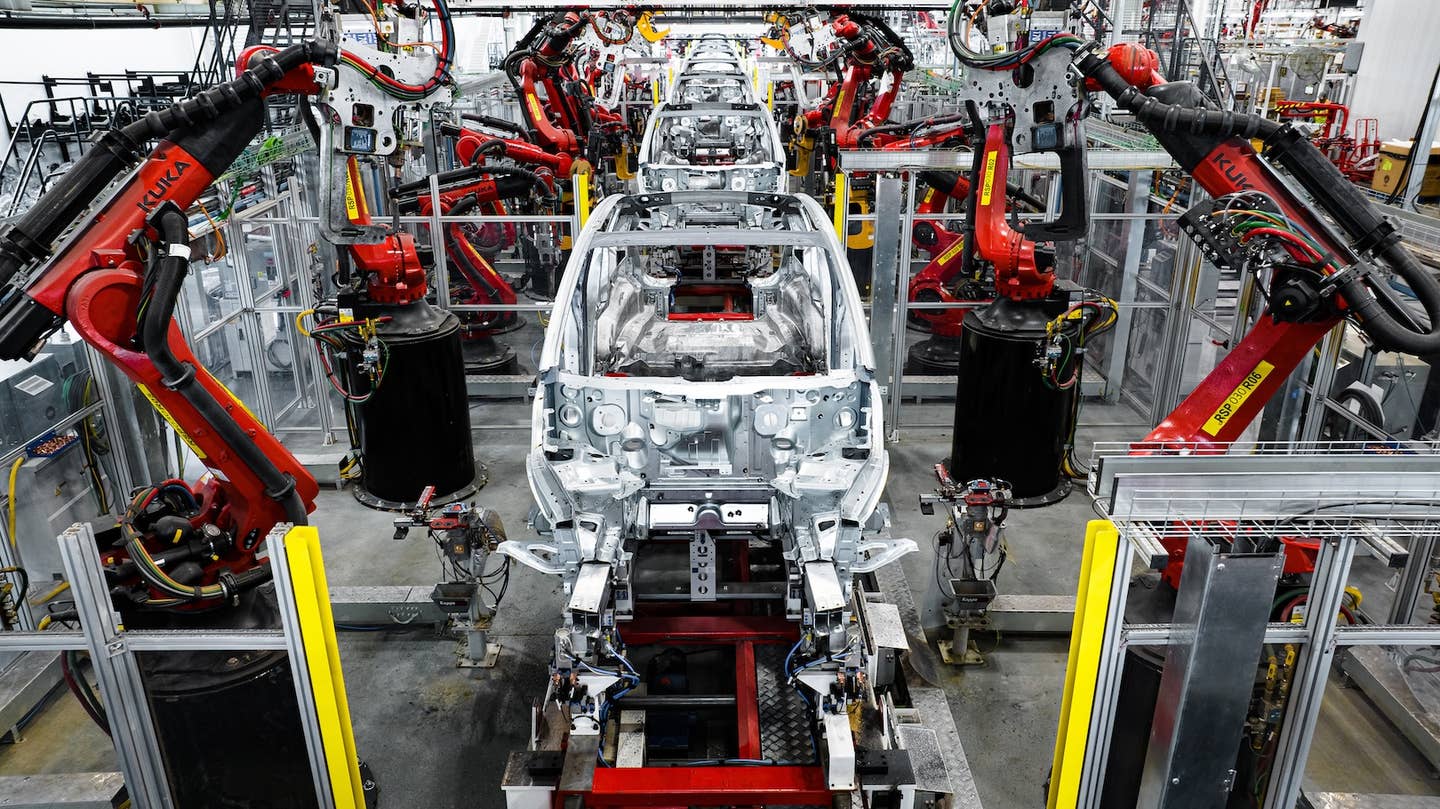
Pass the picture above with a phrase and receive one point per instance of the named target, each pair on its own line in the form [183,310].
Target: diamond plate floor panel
[784,726]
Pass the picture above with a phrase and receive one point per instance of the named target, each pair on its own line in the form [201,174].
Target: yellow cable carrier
[646,27]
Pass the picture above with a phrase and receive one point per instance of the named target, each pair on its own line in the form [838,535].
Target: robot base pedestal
[959,650]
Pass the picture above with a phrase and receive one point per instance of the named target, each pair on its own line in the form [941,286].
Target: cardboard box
[1391,170]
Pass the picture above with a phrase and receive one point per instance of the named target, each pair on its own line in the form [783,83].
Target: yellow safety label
[536,114]
[352,205]
[929,195]
[951,252]
[159,408]
[840,100]
[1237,398]
[989,183]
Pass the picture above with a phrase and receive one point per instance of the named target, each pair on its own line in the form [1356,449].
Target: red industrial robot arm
[460,192]
[943,279]
[872,51]
[542,60]
[1018,274]
[1332,282]
[117,279]
[473,146]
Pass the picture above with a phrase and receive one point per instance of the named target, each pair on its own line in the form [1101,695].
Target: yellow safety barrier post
[1082,671]
[842,206]
[322,654]
[582,193]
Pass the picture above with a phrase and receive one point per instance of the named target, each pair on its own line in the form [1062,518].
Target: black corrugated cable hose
[170,270]
[1322,180]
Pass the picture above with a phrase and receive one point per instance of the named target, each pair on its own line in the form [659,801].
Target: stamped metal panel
[823,584]
[592,588]
[1220,616]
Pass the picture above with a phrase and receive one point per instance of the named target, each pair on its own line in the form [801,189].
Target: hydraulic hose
[1351,210]
[408,195]
[170,270]
[499,123]
[30,239]
[542,188]
[909,126]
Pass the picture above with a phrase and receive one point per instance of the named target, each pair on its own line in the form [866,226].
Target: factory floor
[437,736]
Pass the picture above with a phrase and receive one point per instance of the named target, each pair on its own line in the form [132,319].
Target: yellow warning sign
[352,197]
[1237,398]
[989,182]
[951,252]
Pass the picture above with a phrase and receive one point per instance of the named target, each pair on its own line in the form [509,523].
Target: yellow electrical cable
[44,624]
[14,473]
[219,236]
[300,321]
[50,596]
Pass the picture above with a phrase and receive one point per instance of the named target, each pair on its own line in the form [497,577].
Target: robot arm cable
[170,272]
[1335,195]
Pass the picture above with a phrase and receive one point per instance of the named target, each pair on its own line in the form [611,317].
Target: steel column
[1322,382]
[1107,688]
[1327,594]
[1184,281]
[1420,151]
[132,728]
[902,306]
[1412,579]
[299,665]
[885,326]
[1138,193]
[1205,690]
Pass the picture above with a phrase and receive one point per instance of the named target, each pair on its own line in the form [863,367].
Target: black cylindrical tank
[228,722]
[1009,423]
[415,429]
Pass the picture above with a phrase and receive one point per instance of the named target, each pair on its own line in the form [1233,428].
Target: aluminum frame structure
[1359,497]
[113,648]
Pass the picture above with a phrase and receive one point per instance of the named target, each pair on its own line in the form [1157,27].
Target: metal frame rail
[1346,496]
[112,649]
[894,217]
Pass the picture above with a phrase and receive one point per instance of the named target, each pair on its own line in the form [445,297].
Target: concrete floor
[437,735]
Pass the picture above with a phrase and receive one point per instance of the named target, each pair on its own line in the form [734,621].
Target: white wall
[26,55]
[1402,49]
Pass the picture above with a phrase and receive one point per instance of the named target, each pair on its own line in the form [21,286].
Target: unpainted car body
[707,374]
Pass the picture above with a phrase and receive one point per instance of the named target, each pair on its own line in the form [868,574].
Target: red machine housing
[941,280]
[557,102]
[99,282]
[392,269]
[867,59]
[1018,276]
